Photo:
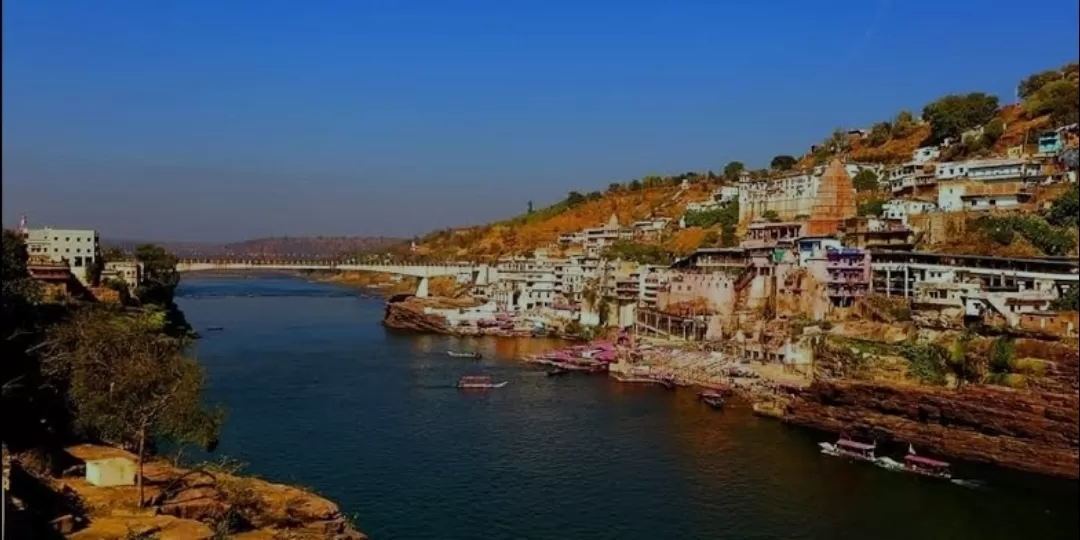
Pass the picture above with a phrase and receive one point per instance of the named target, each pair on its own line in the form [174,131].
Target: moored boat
[458,354]
[557,371]
[715,402]
[849,449]
[478,382]
[925,466]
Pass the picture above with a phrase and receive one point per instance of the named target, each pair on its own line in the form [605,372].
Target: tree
[1060,99]
[129,384]
[1033,83]
[614,187]
[594,196]
[879,134]
[160,277]
[113,253]
[732,170]
[17,285]
[952,115]
[635,185]
[873,207]
[574,198]
[782,163]
[865,180]
[992,131]
[902,125]
[771,216]
[529,210]
[710,239]
[1064,211]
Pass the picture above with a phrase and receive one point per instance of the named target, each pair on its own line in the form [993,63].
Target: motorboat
[479,382]
[458,354]
[557,372]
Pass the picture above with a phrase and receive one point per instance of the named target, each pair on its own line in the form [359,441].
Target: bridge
[472,273]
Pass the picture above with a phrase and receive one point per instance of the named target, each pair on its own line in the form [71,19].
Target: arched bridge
[477,274]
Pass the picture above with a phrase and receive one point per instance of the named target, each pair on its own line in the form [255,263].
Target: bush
[866,180]
[952,115]
[1052,241]
[879,134]
[873,207]
[927,362]
[1065,210]
[1001,355]
[782,162]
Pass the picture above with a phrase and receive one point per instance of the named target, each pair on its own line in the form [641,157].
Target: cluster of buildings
[69,262]
[812,255]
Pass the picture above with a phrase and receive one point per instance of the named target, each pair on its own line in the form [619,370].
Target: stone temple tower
[835,201]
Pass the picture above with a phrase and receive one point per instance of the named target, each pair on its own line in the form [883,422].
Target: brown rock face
[408,314]
[1035,432]
[835,201]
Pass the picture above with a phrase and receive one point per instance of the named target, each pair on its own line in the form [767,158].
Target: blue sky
[212,120]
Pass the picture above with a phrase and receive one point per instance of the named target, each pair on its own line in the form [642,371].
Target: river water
[321,395]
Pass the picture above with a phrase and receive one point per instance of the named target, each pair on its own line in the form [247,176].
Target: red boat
[926,466]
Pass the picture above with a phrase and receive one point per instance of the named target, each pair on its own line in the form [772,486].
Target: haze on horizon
[220,121]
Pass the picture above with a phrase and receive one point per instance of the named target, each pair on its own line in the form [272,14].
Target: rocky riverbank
[182,503]
[1029,431]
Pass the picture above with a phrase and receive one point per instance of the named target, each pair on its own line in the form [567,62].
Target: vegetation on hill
[1049,100]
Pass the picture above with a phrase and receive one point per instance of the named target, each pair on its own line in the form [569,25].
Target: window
[78,261]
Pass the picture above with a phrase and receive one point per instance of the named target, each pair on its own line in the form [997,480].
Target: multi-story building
[988,170]
[823,197]
[79,248]
[902,208]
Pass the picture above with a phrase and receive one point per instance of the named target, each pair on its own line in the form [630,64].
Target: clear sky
[229,119]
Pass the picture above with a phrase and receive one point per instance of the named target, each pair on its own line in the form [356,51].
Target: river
[319,394]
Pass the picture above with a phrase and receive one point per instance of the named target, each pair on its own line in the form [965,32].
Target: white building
[901,209]
[79,248]
[129,272]
[925,154]
[988,169]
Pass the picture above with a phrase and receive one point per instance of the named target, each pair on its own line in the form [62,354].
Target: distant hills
[283,246]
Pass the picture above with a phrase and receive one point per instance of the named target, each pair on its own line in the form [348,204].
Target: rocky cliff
[404,312]
[1030,431]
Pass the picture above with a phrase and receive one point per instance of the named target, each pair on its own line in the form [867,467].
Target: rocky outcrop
[405,312]
[194,504]
[1030,431]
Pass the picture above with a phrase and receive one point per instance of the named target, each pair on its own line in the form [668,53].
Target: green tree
[1001,355]
[18,288]
[1060,99]
[128,384]
[771,216]
[902,125]
[529,210]
[710,239]
[614,187]
[870,208]
[865,180]
[782,163]
[635,185]
[1034,83]
[652,180]
[160,277]
[574,198]
[879,134]
[1065,210]
[1070,299]
[952,115]
[732,170]
[992,131]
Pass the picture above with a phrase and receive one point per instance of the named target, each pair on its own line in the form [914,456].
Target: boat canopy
[925,461]
[476,378]
[848,443]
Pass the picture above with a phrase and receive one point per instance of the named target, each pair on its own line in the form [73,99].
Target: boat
[457,354]
[478,382]
[668,382]
[850,449]
[214,328]
[925,466]
[557,371]
[712,397]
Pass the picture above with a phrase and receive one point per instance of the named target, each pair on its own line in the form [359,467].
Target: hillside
[666,198]
[975,123]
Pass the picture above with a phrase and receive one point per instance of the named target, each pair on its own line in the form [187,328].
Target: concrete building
[925,154]
[962,195]
[129,272]
[987,170]
[902,208]
[79,248]
[790,196]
